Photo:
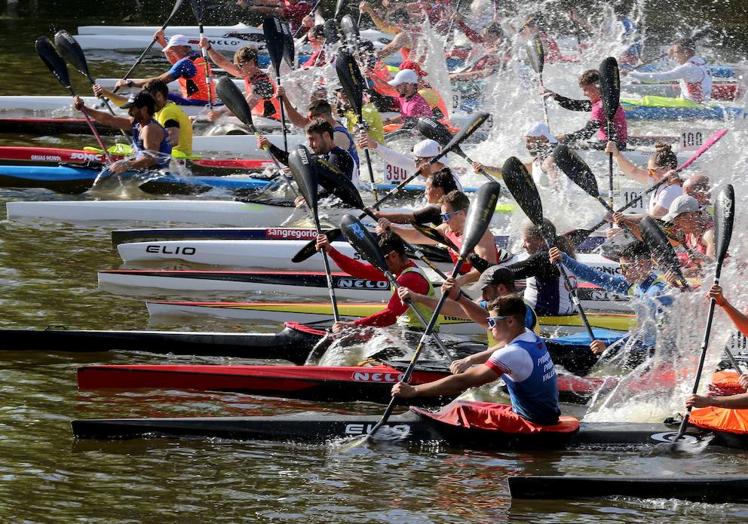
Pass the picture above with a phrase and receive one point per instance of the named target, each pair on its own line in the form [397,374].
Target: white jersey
[694,78]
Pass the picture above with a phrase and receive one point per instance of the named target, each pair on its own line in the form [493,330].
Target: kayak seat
[493,417]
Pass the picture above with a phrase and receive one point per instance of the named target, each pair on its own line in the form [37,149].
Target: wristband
[129,83]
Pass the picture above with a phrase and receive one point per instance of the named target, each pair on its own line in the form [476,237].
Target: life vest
[196,88]
[380,75]
[164,148]
[409,319]
[266,107]
[700,91]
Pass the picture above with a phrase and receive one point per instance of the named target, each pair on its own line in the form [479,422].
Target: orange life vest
[196,88]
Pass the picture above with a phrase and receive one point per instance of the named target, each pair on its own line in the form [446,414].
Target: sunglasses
[446,216]
[493,320]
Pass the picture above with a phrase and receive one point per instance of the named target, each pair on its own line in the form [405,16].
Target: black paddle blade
[610,86]
[71,51]
[289,48]
[536,54]
[351,79]
[305,175]
[198,9]
[274,39]
[349,29]
[234,100]
[660,247]
[363,241]
[331,32]
[479,215]
[433,130]
[462,135]
[338,7]
[724,216]
[54,62]
[522,187]
[337,184]
[576,169]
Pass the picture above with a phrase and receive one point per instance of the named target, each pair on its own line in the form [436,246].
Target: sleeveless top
[164,148]
[196,88]
[172,111]
[340,128]
[409,319]
[269,105]
[549,296]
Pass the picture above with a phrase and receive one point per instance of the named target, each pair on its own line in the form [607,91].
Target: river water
[48,277]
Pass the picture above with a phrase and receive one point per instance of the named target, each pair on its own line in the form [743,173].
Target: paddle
[610,90]
[521,186]
[349,29]
[274,40]
[479,216]
[578,235]
[353,85]
[174,10]
[198,9]
[724,216]
[536,57]
[59,69]
[579,172]
[660,247]
[289,48]
[310,248]
[437,132]
[306,178]
[338,7]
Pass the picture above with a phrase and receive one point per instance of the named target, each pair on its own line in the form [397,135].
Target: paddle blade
[337,184]
[576,169]
[463,134]
[350,79]
[660,247]
[724,216]
[522,187]
[54,62]
[289,48]
[71,51]
[174,10]
[480,212]
[234,100]
[433,130]
[363,241]
[271,27]
[331,32]
[536,54]
[339,6]
[349,29]
[305,175]
[610,86]
[198,9]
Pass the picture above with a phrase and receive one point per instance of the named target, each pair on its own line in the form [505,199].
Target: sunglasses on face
[446,216]
[493,320]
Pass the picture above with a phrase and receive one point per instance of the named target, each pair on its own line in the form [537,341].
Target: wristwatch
[129,83]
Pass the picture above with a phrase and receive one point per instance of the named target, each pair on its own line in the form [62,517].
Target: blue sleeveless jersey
[164,148]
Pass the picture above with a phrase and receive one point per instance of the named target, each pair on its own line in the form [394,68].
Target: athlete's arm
[451,385]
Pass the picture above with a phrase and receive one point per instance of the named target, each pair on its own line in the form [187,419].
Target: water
[48,277]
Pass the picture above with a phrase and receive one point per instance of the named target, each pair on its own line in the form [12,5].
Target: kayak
[712,490]
[204,212]
[725,90]
[709,111]
[410,428]
[132,43]
[308,312]
[148,30]
[286,282]
[319,383]
[75,180]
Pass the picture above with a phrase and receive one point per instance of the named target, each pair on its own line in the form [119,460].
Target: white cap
[541,129]
[682,204]
[406,76]
[178,40]
[426,148]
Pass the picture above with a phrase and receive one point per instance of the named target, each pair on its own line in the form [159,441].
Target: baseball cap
[177,40]
[541,129]
[141,99]
[494,276]
[404,76]
[682,204]
[426,148]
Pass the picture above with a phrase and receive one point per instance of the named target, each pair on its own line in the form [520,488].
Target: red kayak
[56,155]
[338,383]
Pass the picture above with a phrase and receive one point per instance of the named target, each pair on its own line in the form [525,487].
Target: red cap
[409,64]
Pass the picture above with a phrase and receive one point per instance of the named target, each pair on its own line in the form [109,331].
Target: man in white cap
[188,69]
[411,104]
[687,217]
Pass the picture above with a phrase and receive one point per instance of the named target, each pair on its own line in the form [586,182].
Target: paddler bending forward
[407,274]
[520,358]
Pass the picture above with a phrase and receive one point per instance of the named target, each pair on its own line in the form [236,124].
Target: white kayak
[149,30]
[136,43]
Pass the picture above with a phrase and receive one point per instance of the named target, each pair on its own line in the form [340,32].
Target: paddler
[651,294]
[188,69]
[406,272]
[692,73]
[168,114]
[454,207]
[589,81]
[429,94]
[699,187]
[520,358]
[259,89]
[151,140]
[411,105]
[294,11]
[439,184]
[688,218]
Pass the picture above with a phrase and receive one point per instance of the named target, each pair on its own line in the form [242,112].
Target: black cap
[141,99]
[495,275]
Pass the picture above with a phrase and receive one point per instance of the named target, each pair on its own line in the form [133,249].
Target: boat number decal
[670,437]
[691,139]
[366,376]
[360,283]
[631,195]
[164,250]
[395,173]
[363,429]
[284,233]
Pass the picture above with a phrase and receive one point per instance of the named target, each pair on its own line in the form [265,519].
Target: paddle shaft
[206,67]
[328,273]
[283,111]
[368,156]
[409,371]
[610,170]
[574,296]
[459,152]
[95,133]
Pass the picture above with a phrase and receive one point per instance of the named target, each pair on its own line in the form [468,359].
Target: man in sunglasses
[522,361]
[407,274]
